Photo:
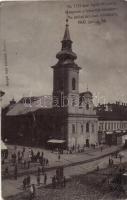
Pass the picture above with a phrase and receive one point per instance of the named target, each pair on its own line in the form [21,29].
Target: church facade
[81,122]
[71,117]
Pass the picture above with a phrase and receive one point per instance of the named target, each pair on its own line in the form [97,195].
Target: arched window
[87,127]
[73,128]
[81,128]
[73,84]
[92,128]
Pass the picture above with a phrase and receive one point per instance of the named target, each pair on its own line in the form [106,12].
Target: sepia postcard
[63,100]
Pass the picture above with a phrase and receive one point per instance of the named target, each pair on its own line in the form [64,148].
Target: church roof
[64,53]
[27,105]
[86,94]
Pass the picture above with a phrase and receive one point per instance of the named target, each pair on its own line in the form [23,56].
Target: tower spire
[66,42]
[66,56]
[67,33]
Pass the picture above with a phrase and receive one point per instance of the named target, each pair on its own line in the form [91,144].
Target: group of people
[43,173]
[23,158]
[4,155]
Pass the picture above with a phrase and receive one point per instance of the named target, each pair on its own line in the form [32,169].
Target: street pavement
[65,160]
[13,187]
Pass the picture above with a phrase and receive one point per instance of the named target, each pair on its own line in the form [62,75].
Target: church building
[81,125]
[72,115]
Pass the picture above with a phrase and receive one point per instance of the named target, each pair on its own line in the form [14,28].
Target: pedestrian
[38,171]
[24,164]
[15,172]
[24,183]
[112,162]
[22,153]
[45,179]
[14,158]
[43,170]
[53,181]
[6,154]
[32,153]
[101,149]
[38,154]
[28,180]
[32,191]
[15,148]
[59,156]
[3,161]
[6,171]
[28,164]
[44,161]
[47,162]
[18,153]
[64,181]
[19,158]
[41,161]
[38,179]
[109,161]
[24,149]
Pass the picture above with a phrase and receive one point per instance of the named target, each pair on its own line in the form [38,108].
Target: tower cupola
[66,50]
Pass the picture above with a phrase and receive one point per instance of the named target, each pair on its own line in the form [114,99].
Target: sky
[33,31]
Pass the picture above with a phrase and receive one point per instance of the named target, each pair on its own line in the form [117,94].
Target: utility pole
[6,64]
[1,94]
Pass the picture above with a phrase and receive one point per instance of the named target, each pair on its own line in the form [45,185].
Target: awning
[3,146]
[109,132]
[56,141]
[118,131]
[125,174]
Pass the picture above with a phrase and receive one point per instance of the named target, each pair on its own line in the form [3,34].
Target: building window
[81,128]
[105,126]
[111,126]
[92,128]
[102,126]
[115,126]
[73,100]
[73,128]
[87,106]
[73,84]
[108,126]
[87,127]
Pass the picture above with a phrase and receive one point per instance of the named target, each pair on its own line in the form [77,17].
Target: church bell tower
[66,71]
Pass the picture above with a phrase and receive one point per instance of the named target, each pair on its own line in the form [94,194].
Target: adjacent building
[112,122]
